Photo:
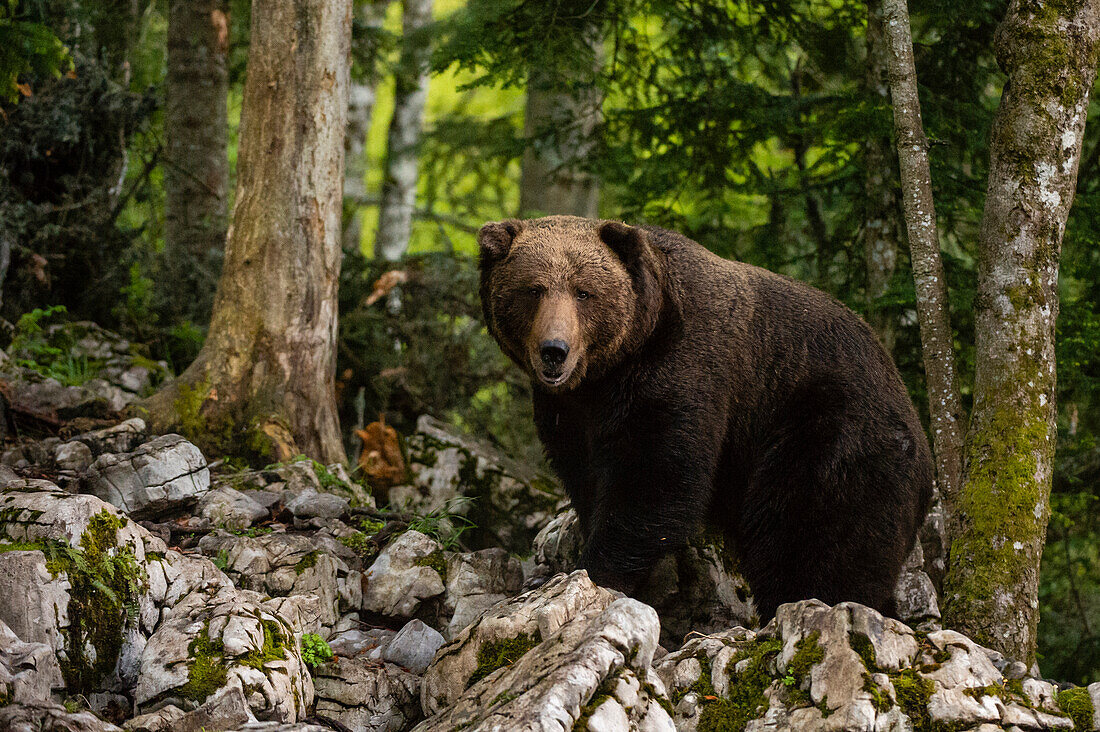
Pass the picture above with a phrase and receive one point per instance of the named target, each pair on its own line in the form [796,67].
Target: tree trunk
[881,225]
[361,98]
[196,170]
[937,342]
[991,589]
[263,383]
[399,186]
[560,121]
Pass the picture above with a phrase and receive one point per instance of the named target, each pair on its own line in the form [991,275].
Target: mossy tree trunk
[395,213]
[196,170]
[263,382]
[560,120]
[991,590]
[937,340]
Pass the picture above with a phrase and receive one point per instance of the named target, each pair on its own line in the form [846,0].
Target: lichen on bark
[991,590]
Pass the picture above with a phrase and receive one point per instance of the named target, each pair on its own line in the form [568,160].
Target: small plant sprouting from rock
[315,650]
[445,524]
[221,560]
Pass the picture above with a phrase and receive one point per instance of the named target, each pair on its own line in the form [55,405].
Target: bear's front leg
[653,489]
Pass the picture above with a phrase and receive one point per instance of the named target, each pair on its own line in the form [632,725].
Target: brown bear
[674,388]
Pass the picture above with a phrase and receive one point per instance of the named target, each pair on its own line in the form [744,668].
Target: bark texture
[361,98]
[399,185]
[991,590]
[561,116]
[264,378]
[937,343]
[882,224]
[196,170]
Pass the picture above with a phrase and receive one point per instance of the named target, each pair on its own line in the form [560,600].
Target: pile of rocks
[142,588]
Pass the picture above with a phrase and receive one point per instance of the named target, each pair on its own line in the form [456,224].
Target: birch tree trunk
[196,170]
[881,226]
[395,212]
[361,98]
[937,342]
[263,383]
[560,121]
[991,589]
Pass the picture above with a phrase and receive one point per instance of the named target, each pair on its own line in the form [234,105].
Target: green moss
[274,647]
[491,656]
[436,561]
[1078,706]
[998,508]
[863,647]
[880,701]
[206,669]
[913,691]
[603,693]
[823,707]
[745,701]
[307,562]
[358,543]
[106,583]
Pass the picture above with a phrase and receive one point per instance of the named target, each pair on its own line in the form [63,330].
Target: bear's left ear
[495,239]
[625,241]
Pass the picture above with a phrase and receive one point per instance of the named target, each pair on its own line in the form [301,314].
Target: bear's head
[569,298]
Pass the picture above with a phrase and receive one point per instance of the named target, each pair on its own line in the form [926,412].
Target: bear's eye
[534,291]
[583,294]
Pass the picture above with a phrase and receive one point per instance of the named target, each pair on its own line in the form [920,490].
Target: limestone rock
[413,647]
[164,474]
[507,630]
[313,504]
[230,508]
[225,638]
[50,717]
[402,576]
[555,684]
[366,696]
[29,672]
[283,565]
[475,582]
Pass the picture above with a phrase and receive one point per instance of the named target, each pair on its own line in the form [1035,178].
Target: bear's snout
[553,354]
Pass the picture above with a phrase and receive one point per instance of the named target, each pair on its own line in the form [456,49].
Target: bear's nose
[553,353]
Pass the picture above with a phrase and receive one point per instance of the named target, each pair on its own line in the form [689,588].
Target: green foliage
[206,667]
[48,354]
[27,49]
[315,650]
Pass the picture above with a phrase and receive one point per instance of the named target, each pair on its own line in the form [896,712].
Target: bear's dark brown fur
[673,387]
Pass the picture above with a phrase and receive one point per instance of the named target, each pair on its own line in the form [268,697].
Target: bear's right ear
[495,239]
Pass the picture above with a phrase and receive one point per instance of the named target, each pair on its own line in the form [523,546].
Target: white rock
[230,508]
[413,647]
[164,474]
[396,584]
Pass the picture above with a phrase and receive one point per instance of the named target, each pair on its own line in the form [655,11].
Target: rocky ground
[144,587]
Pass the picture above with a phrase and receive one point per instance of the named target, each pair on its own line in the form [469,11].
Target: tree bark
[937,342]
[361,98]
[196,170]
[560,121]
[991,589]
[882,225]
[263,383]
[399,185]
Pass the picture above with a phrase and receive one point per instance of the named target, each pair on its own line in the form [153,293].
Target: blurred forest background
[761,129]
